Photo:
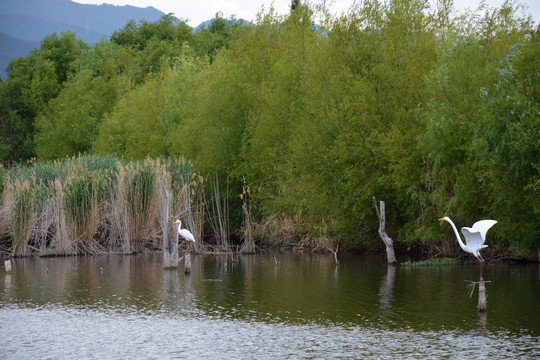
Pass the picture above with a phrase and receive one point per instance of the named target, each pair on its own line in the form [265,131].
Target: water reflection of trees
[286,287]
[99,281]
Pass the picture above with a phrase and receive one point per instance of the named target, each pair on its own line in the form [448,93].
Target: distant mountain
[102,19]
[12,47]
[24,23]
[34,29]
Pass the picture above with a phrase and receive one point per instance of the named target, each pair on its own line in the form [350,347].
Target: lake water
[270,306]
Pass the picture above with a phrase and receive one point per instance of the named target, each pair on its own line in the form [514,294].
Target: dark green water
[264,306]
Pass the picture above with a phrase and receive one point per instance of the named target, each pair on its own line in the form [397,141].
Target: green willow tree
[143,123]
[476,102]
[354,118]
[513,140]
[105,74]
[279,107]
[208,40]
[138,35]
[69,124]
[31,83]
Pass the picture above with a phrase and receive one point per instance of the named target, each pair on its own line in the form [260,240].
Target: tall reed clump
[137,203]
[187,188]
[91,204]
[248,246]
[60,242]
[25,199]
[76,197]
[218,217]
[81,201]
[4,218]
[3,172]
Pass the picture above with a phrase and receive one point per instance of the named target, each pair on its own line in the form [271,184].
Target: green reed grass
[80,203]
[3,173]
[27,200]
[135,204]
[22,217]
[431,262]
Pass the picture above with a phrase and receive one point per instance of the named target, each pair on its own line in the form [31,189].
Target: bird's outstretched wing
[473,238]
[483,226]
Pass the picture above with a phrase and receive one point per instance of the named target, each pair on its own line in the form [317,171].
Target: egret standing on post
[184,233]
[475,236]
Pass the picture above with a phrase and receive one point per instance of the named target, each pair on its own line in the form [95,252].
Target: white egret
[475,236]
[185,233]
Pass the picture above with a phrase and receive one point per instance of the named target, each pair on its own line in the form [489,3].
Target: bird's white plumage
[473,239]
[483,226]
[475,236]
[185,233]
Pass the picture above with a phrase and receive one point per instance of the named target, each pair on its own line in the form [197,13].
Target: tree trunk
[390,254]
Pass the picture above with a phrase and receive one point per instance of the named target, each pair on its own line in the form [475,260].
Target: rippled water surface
[266,306]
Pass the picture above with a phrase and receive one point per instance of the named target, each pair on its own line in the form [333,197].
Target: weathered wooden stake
[390,254]
[7,265]
[170,244]
[187,263]
[482,299]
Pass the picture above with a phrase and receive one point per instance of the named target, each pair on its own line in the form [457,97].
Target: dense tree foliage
[138,36]
[208,40]
[31,83]
[435,112]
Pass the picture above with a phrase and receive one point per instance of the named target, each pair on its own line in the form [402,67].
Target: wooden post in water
[187,263]
[482,299]
[170,245]
[7,265]
[187,258]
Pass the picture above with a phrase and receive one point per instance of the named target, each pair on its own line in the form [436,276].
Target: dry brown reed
[137,203]
[285,232]
[81,206]
[22,214]
[188,201]
[248,245]
[91,204]
[6,201]
[218,216]
[60,242]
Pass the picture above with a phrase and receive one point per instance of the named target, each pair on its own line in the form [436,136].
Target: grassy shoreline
[93,204]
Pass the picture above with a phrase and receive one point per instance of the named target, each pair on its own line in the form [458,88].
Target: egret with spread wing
[185,233]
[475,236]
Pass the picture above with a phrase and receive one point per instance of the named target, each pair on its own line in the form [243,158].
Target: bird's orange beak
[441,219]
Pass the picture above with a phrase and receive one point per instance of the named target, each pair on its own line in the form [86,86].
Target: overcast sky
[197,11]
